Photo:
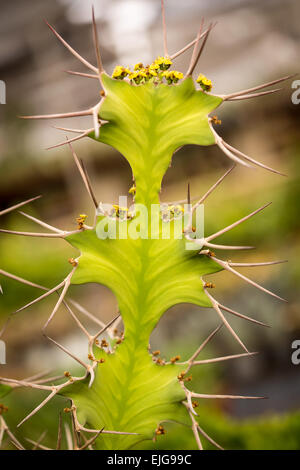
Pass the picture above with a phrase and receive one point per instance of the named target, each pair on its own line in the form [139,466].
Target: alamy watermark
[2,92]
[156,222]
[295,358]
[296,93]
[2,352]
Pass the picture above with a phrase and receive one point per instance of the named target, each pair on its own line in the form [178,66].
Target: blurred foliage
[267,433]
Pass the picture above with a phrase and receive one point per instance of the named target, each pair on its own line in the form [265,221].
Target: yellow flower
[154,66]
[178,75]
[138,66]
[132,190]
[172,76]
[164,63]
[204,82]
[120,72]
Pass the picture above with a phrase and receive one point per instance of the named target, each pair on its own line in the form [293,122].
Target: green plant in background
[127,392]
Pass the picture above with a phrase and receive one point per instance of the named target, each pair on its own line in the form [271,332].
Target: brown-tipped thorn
[84,176]
[41,405]
[194,53]
[244,317]
[266,263]
[97,46]
[92,440]
[10,209]
[43,296]
[212,441]
[224,358]
[75,131]
[163,16]
[66,284]
[254,95]
[233,150]
[190,44]
[65,350]
[259,87]
[202,346]
[227,247]
[85,112]
[40,222]
[78,56]
[214,186]
[226,266]
[37,444]
[193,65]
[81,74]
[235,224]
[215,305]
[105,327]
[69,141]
[34,234]
[225,397]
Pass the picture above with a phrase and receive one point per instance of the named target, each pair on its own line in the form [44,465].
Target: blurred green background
[254,41]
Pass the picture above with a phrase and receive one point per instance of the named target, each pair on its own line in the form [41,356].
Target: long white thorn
[81,74]
[226,266]
[212,441]
[44,402]
[4,428]
[39,235]
[228,247]
[259,87]
[91,441]
[43,296]
[225,397]
[97,46]
[85,112]
[188,46]
[69,353]
[24,383]
[75,131]
[105,327]
[10,209]
[214,186]
[235,224]
[78,56]
[68,141]
[254,95]
[203,242]
[79,324]
[223,358]
[194,53]
[202,346]
[163,16]
[266,263]
[240,315]
[67,283]
[226,323]
[20,279]
[205,196]
[84,176]
[249,159]
[41,223]
[87,313]
[194,63]
[38,445]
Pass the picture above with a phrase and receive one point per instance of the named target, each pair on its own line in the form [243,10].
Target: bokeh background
[254,41]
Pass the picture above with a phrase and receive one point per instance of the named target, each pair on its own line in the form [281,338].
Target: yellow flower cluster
[204,82]
[157,70]
[172,76]
[120,72]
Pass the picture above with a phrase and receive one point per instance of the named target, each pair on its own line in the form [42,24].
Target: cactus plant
[127,392]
